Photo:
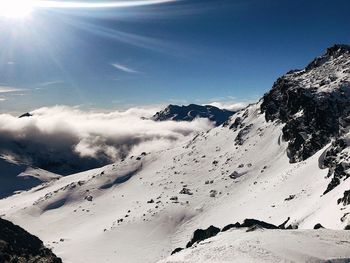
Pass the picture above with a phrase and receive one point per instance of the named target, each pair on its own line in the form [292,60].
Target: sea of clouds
[65,139]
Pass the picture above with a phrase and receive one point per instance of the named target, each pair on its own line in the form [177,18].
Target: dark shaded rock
[290,227]
[253,228]
[243,135]
[234,175]
[27,114]
[347,227]
[321,111]
[334,51]
[283,225]
[17,245]
[290,197]
[228,227]
[236,124]
[176,250]
[345,199]
[253,222]
[186,191]
[202,234]
[174,198]
[318,226]
[337,161]
[314,105]
[192,111]
[88,198]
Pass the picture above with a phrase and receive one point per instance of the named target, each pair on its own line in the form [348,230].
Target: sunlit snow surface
[88,231]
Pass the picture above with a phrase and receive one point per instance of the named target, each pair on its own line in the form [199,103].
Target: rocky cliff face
[192,111]
[17,245]
[314,104]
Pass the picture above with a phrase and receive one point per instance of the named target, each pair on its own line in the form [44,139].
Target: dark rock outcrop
[314,105]
[176,250]
[337,160]
[192,111]
[248,223]
[318,226]
[252,224]
[17,245]
[202,234]
[345,199]
[27,114]
[242,136]
[230,226]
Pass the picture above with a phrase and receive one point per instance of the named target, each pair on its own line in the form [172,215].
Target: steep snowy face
[314,104]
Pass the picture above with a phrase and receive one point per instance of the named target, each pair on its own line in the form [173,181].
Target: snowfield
[269,246]
[137,214]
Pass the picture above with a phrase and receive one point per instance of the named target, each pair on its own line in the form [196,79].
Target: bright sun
[16,8]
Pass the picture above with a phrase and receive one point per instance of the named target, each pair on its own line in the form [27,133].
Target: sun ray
[113,4]
[23,8]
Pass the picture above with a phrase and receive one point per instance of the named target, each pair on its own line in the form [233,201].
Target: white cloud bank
[229,105]
[65,139]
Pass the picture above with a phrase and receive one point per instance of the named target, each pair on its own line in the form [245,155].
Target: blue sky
[179,52]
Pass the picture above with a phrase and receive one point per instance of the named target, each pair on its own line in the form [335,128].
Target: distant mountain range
[193,111]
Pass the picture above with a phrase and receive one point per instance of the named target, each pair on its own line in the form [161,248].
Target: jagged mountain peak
[337,50]
[333,52]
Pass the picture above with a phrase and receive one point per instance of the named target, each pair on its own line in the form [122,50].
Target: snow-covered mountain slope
[141,209]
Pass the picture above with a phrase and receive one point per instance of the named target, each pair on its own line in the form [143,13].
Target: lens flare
[16,8]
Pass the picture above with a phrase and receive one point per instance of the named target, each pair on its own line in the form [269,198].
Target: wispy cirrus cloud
[49,83]
[124,68]
[8,89]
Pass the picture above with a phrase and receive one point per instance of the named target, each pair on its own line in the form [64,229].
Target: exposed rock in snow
[322,93]
[202,234]
[345,200]
[269,246]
